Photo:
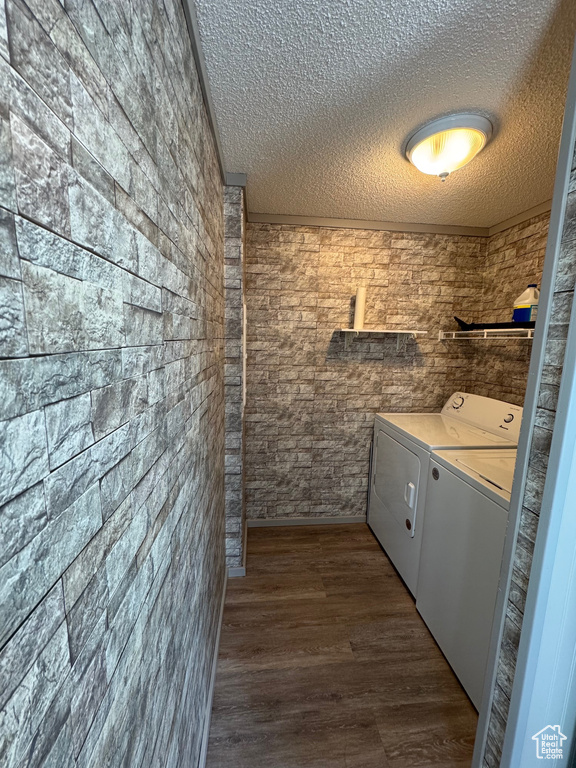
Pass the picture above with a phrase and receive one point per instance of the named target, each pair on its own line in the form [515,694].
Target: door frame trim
[561,184]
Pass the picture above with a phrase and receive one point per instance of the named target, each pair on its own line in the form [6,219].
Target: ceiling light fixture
[447,144]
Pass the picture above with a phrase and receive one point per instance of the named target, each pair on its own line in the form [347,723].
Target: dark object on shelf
[493,326]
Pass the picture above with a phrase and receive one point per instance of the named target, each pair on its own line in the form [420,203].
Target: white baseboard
[208,713]
[280,521]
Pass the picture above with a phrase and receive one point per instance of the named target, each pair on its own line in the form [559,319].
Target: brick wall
[514,258]
[311,404]
[234,224]
[111,383]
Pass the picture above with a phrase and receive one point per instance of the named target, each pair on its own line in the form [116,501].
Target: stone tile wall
[555,345]
[514,258]
[111,382]
[311,404]
[234,226]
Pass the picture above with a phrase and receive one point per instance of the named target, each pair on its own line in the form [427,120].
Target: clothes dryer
[399,468]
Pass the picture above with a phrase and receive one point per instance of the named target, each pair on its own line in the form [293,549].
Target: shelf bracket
[348,338]
[401,340]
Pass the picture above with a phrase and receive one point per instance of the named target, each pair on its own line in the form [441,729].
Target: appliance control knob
[435,474]
[458,402]
[509,418]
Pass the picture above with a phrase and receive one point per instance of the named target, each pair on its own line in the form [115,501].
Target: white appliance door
[396,473]
[462,543]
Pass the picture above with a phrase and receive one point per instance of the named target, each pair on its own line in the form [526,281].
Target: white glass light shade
[449,143]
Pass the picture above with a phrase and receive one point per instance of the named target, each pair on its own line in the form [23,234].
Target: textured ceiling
[314,100]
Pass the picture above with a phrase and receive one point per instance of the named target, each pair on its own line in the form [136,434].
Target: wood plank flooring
[325,663]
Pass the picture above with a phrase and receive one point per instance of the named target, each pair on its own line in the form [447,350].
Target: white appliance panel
[460,561]
[495,416]
[396,481]
[401,546]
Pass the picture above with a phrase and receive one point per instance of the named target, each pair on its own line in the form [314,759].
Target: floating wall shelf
[401,335]
[488,333]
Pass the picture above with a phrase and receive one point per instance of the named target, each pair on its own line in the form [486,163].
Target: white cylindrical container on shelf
[360,308]
[526,305]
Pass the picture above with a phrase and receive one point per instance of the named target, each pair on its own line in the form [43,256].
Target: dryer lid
[489,421]
[435,431]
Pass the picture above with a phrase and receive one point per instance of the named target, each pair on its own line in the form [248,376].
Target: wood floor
[325,663]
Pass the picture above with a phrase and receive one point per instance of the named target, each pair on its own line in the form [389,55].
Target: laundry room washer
[467,505]
[399,468]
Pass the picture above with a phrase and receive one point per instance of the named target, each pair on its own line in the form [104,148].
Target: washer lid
[493,470]
[435,431]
